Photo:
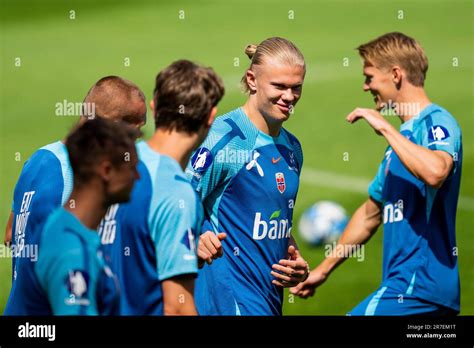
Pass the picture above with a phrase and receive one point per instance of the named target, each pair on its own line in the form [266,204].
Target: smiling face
[277,88]
[381,84]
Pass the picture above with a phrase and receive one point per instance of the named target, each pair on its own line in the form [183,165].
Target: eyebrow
[278,84]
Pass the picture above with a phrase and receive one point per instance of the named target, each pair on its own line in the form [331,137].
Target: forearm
[292,241]
[359,230]
[8,230]
[178,296]
[423,163]
[176,308]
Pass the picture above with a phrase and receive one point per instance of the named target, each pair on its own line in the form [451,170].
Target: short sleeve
[376,186]
[205,171]
[298,150]
[442,133]
[67,281]
[174,224]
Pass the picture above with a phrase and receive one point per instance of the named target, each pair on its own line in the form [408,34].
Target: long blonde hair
[277,48]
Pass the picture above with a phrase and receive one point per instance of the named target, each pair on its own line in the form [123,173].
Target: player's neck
[88,206]
[177,145]
[259,121]
[411,102]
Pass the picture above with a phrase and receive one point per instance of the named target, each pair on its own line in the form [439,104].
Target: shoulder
[49,164]
[233,128]
[46,156]
[295,144]
[172,186]
[59,241]
[60,229]
[442,118]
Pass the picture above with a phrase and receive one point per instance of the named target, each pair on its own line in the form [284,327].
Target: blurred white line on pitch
[356,184]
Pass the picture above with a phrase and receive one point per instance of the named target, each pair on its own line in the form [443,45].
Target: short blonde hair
[277,48]
[397,49]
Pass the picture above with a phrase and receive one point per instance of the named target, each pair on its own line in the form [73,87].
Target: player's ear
[250,75]
[396,75]
[152,105]
[104,170]
[212,116]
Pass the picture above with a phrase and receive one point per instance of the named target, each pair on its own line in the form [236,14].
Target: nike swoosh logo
[276,160]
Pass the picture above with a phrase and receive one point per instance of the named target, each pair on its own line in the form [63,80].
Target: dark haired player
[70,276]
[151,241]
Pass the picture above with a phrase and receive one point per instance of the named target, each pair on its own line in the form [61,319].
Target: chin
[280,115]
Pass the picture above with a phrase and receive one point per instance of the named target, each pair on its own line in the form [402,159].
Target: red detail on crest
[280,180]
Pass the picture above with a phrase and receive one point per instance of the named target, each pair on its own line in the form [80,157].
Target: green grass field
[62,57]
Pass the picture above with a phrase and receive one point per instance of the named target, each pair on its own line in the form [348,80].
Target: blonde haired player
[247,175]
[414,193]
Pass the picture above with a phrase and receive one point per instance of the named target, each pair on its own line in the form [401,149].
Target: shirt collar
[409,125]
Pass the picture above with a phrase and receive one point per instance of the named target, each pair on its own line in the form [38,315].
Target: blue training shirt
[420,253]
[248,182]
[44,184]
[151,238]
[69,276]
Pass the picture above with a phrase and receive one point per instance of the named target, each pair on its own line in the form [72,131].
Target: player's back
[147,240]
[44,184]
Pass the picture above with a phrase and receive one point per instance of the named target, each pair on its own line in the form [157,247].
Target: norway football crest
[280,180]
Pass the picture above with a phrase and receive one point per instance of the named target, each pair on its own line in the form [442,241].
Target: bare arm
[8,230]
[292,241]
[431,167]
[359,230]
[178,295]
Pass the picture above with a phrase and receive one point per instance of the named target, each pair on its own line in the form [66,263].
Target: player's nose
[288,96]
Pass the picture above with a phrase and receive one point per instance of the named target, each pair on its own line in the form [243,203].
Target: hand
[373,118]
[291,272]
[210,247]
[308,287]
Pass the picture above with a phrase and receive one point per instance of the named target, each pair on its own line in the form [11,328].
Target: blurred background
[53,51]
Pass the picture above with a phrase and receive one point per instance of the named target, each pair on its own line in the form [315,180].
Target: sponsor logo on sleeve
[77,283]
[201,159]
[254,164]
[438,135]
[190,242]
